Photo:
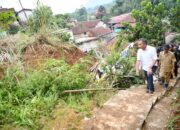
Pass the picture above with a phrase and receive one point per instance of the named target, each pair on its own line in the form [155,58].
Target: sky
[57,6]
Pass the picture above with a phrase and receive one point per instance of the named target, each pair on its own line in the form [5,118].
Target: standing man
[146,56]
[166,60]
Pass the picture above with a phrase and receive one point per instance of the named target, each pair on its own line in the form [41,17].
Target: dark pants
[149,78]
[176,69]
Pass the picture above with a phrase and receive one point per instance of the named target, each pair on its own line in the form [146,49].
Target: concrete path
[127,110]
[159,116]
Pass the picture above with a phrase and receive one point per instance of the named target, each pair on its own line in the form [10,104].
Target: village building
[91,34]
[115,23]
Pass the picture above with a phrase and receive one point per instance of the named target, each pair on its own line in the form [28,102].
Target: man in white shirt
[147,57]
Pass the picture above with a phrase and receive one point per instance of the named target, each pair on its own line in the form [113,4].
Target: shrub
[25,97]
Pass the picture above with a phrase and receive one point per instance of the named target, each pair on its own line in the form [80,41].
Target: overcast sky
[58,6]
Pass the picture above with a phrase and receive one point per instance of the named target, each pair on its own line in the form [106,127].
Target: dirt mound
[36,54]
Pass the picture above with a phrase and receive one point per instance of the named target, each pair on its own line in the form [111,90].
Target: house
[95,38]
[23,15]
[115,23]
[80,30]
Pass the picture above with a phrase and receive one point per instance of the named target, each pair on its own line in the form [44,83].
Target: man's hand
[137,72]
[149,71]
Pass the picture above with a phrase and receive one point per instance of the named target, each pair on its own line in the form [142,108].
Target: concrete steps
[127,110]
[161,112]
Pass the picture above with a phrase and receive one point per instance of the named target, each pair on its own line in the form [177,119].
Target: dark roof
[122,18]
[7,9]
[100,31]
[80,29]
[84,26]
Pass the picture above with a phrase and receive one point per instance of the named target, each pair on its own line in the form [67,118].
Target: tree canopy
[80,14]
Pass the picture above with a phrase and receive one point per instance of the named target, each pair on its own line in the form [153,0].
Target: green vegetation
[28,95]
[6,18]
[42,17]
[63,20]
[80,14]
[25,97]
[151,23]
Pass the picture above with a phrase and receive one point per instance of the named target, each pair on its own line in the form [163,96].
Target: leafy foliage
[125,6]
[80,14]
[119,69]
[42,17]
[175,16]
[6,18]
[25,97]
[65,37]
[62,20]
[149,22]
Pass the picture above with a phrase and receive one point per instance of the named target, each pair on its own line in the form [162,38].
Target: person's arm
[137,67]
[138,63]
[154,54]
[154,57]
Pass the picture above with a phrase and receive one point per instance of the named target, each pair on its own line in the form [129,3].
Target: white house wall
[22,16]
[87,46]
[101,24]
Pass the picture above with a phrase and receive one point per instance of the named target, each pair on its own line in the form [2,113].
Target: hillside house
[21,15]
[115,23]
[90,34]
[95,38]
[81,29]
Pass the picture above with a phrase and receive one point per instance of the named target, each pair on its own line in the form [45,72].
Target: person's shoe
[147,91]
[151,92]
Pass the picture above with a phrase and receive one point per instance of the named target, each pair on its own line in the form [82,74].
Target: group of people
[165,61]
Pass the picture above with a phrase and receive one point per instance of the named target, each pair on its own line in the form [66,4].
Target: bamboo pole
[93,89]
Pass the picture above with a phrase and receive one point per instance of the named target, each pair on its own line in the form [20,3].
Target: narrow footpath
[134,109]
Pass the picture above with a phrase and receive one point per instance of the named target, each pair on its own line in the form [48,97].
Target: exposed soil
[36,54]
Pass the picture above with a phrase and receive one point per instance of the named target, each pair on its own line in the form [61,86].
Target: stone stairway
[127,110]
[159,116]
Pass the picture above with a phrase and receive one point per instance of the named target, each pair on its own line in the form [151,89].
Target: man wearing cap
[146,57]
[166,60]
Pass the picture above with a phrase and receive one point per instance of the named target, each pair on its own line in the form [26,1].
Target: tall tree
[62,20]
[101,11]
[81,14]
[125,6]
[149,24]
[174,16]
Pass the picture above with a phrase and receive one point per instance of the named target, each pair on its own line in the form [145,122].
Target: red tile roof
[90,24]
[122,18]
[84,27]
[99,31]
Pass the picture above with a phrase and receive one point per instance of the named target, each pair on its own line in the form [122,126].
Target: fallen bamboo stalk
[86,90]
